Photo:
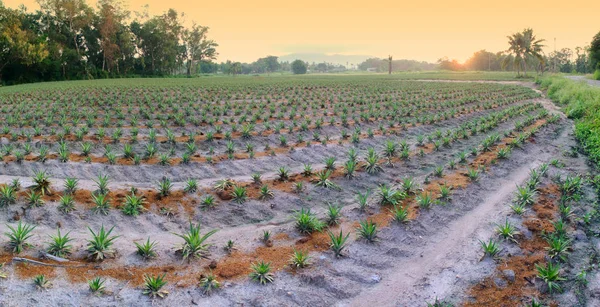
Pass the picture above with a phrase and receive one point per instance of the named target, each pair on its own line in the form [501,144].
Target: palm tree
[523,46]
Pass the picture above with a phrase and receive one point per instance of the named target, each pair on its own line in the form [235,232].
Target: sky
[424,30]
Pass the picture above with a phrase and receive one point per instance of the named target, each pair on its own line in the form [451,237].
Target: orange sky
[421,30]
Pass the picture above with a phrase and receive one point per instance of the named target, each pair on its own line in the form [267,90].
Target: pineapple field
[285,191]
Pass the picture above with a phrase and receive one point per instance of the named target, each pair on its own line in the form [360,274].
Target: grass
[581,102]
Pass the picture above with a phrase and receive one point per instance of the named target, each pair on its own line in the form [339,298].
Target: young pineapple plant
[300,259]
[307,222]
[70,185]
[400,214]
[507,231]
[367,230]
[208,202]
[330,163]
[18,236]
[372,165]
[337,242]
[265,193]
[146,250]
[490,248]
[283,173]
[223,185]
[41,182]
[41,282]
[66,204]
[101,184]
[333,214]
[239,194]
[99,247]
[133,205]
[59,245]
[194,243]
[153,285]
[550,275]
[322,180]
[191,186]
[8,195]
[389,196]
[261,273]
[525,196]
[101,204]
[209,283]
[96,285]
[308,170]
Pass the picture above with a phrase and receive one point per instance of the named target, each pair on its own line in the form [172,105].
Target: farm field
[283,191]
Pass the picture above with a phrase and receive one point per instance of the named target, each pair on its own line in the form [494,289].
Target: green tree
[18,45]
[523,46]
[198,47]
[595,55]
[299,67]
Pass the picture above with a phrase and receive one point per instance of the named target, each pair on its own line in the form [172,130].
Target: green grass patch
[581,102]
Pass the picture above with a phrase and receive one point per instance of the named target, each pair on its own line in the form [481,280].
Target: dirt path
[453,246]
[583,78]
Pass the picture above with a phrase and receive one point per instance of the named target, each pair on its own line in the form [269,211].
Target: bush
[597,74]
[582,103]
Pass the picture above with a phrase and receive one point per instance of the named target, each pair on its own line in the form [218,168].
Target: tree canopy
[68,39]
[299,67]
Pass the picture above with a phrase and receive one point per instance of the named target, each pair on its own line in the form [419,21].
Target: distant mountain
[340,59]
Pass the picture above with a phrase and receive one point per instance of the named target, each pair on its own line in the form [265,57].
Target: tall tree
[524,46]
[595,52]
[197,46]
[18,45]
[111,15]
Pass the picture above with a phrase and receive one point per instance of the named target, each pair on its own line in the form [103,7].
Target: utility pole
[555,55]
[390,65]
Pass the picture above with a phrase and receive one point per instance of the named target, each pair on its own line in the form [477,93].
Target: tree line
[525,54]
[68,39]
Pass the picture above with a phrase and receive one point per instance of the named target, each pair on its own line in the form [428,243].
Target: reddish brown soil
[486,293]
